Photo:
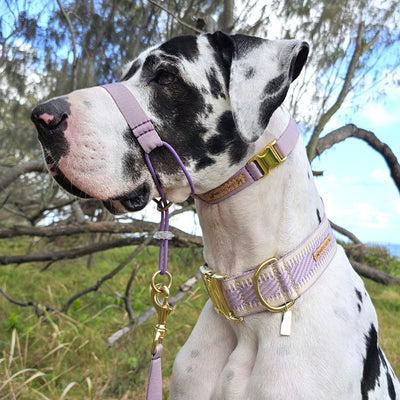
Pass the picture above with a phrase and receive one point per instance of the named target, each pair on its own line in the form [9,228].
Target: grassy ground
[67,357]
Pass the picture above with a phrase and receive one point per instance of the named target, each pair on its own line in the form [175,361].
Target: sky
[356,187]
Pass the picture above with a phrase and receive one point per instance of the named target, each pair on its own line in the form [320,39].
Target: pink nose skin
[47,118]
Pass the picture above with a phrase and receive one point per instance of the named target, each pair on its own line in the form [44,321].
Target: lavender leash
[163,206]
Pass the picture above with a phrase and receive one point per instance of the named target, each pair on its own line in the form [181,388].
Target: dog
[217,100]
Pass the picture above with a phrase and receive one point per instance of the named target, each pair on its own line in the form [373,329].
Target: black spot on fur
[249,73]
[204,162]
[181,106]
[227,139]
[131,168]
[392,393]
[274,85]
[182,46]
[215,85]
[223,47]
[359,295]
[372,363]
[132,70]
[318,216]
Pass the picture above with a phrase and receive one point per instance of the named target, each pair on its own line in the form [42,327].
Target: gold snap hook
[163,308]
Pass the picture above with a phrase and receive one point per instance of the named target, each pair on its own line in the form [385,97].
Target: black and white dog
[217,100]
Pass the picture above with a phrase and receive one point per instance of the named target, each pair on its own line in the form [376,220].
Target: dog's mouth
[135,200]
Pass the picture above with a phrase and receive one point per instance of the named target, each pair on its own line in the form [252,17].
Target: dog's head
[209,96]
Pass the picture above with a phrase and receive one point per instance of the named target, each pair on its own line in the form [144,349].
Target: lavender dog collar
[278,283]
[257,167]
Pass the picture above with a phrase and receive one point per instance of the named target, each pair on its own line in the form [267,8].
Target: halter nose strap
[135,116]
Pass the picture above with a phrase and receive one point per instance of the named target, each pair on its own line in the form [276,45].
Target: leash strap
[275,284]
[154,383]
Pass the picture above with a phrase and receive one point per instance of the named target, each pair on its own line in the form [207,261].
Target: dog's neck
[267,219]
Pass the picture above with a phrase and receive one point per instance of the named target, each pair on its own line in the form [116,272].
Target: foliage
[68,354]
[43,357]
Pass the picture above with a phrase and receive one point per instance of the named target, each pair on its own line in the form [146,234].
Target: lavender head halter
[148,139]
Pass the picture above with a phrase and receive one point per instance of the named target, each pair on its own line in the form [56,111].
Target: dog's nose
[50,115]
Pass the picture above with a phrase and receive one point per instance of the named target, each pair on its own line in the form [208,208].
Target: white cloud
[381,175]
[369,217]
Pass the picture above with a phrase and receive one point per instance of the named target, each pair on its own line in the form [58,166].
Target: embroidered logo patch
[318,253]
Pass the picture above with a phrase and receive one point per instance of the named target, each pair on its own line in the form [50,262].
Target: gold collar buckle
[268,159]
[213,282]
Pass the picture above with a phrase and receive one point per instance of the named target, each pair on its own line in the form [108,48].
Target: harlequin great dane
[297,326]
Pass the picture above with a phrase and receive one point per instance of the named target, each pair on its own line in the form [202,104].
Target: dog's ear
[260,74]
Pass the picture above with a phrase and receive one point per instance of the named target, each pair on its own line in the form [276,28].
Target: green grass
[67,357]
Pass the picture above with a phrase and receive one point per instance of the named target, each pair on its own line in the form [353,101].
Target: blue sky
[356,187]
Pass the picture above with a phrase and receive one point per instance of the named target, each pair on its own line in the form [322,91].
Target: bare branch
[137,226]
[110,275]
[374,273]
[345,232]
[30,303]
[191,27]
[127,294]
[73,39]
[10,175]
[351,130]
[359,50]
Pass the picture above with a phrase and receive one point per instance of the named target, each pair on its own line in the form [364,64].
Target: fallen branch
[39,309]
[375,274]
[183,289]
[181,239]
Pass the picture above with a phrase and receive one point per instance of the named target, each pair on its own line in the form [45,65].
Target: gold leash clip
[163,308]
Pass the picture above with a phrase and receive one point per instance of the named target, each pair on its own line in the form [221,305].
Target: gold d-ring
[286,306]
[160,287]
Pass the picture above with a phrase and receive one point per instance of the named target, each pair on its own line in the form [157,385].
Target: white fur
[249,360]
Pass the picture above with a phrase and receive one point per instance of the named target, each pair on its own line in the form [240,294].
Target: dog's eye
[165,77]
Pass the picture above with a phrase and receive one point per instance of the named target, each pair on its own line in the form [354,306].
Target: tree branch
[360,48]
[345,232]
[351,130]
[110,275]
[11,174]
[175,17]
[375,274]
[73,38]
